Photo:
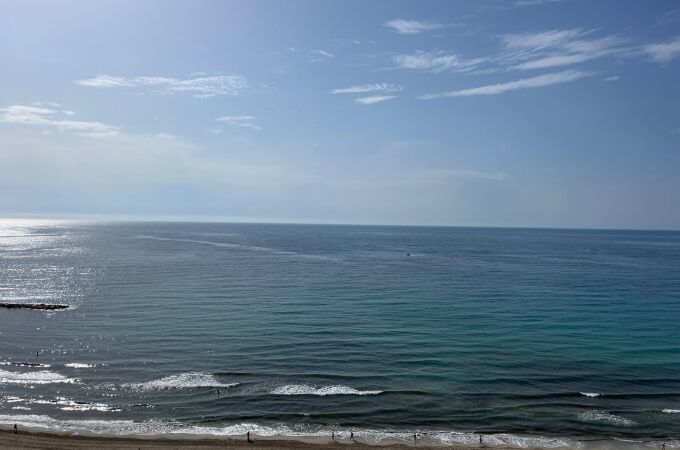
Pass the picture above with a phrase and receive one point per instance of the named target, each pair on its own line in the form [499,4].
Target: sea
[526,337]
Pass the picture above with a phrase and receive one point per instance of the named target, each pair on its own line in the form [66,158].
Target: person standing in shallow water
[16,430]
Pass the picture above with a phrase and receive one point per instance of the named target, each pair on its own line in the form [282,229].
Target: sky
[528,113]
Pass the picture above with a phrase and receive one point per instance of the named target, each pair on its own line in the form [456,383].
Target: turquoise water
[526,336]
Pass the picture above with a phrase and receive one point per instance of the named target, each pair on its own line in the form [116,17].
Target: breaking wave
[605,417]
[590,394]
[368,436]
[38,377]
[183,381]
[304,389]
[79,365]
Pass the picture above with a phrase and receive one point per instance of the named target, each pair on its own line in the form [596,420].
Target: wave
[671,411]
[183,381]
[605,417]
[283,431]
[304,389]
[66,404]
[79,365]
[38,377]
[23,364]
[590,394]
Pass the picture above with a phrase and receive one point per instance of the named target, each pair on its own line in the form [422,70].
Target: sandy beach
[41,440]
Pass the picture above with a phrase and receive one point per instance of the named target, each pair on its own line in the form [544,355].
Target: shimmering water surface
[547,337]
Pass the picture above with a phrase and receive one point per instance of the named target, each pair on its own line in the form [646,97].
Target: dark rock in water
[32,306]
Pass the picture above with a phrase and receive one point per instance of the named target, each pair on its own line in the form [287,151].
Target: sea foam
[304,389]
[605,417]
[38,377]
[182,381]
[590,394]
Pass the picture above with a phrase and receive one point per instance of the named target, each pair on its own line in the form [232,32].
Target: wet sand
[40,440]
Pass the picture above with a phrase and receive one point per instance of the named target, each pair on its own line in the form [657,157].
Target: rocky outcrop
[46,306]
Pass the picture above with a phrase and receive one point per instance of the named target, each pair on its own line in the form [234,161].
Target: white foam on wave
[671,411]
[182,381]
[370,436]
[38,377]
[66,404]
[590,394]
[304,389]
[148,428]
[502,439]
[79,365]
[605,417]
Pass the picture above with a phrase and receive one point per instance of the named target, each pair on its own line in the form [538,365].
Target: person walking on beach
[351,435]
[481,444]
[415,438]
[248,436]
[16,430]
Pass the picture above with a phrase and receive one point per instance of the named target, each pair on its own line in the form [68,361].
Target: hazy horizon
[527,113]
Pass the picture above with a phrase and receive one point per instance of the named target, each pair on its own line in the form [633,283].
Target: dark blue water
[531,337]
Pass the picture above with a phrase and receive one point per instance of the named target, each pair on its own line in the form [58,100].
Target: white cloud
[403,26]
[46,117]
[525,83]
[319,55]
[555,48]
[613,78]
[540,40]
[240,121]
[436,62]
[200,87]
[364,88]
[373,99]
[664,52]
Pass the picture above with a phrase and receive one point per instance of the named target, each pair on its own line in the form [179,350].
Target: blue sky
[548,113]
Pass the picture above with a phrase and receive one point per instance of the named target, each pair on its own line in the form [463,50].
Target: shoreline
[39,439]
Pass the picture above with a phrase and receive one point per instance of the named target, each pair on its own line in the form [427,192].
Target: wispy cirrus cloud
[365,88]
[664,52]
[556,48]
[370,100]
[404,26]
[200,87]
[549,79]
[53,118]
[436,62]
[319,55]
[240,121]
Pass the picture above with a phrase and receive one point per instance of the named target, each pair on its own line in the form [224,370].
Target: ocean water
[526,336]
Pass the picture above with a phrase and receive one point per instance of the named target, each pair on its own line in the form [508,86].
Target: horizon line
[122,218]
